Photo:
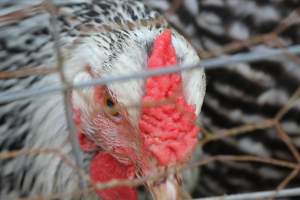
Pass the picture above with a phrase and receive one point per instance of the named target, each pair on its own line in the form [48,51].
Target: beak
[168,189]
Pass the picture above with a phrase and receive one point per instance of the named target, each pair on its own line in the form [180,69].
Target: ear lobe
[85,143]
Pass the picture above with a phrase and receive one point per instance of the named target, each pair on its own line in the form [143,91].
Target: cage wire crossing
[217,58]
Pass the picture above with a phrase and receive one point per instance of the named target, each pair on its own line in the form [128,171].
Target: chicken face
[142,138]
[107,126]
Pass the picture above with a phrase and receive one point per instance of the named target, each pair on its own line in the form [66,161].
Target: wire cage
[232,55]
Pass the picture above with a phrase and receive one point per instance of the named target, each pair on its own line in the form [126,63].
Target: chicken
[117,140]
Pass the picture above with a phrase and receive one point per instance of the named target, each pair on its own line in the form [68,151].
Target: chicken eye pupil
[109,103]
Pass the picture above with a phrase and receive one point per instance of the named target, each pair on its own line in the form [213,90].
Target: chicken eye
[110,105]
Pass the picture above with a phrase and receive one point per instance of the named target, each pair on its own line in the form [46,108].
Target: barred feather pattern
[243,93]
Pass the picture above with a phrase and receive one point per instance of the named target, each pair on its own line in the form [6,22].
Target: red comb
[163,52]
[168,130]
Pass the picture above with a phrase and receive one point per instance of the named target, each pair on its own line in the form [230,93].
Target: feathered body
[93,46]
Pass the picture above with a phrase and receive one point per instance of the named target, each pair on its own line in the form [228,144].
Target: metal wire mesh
[213,59]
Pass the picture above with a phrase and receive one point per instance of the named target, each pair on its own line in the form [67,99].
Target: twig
[246,158]
[291,102]
[21,14]
[235,46]
[26,72]
[236,131]
[288,179]
[287,140]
